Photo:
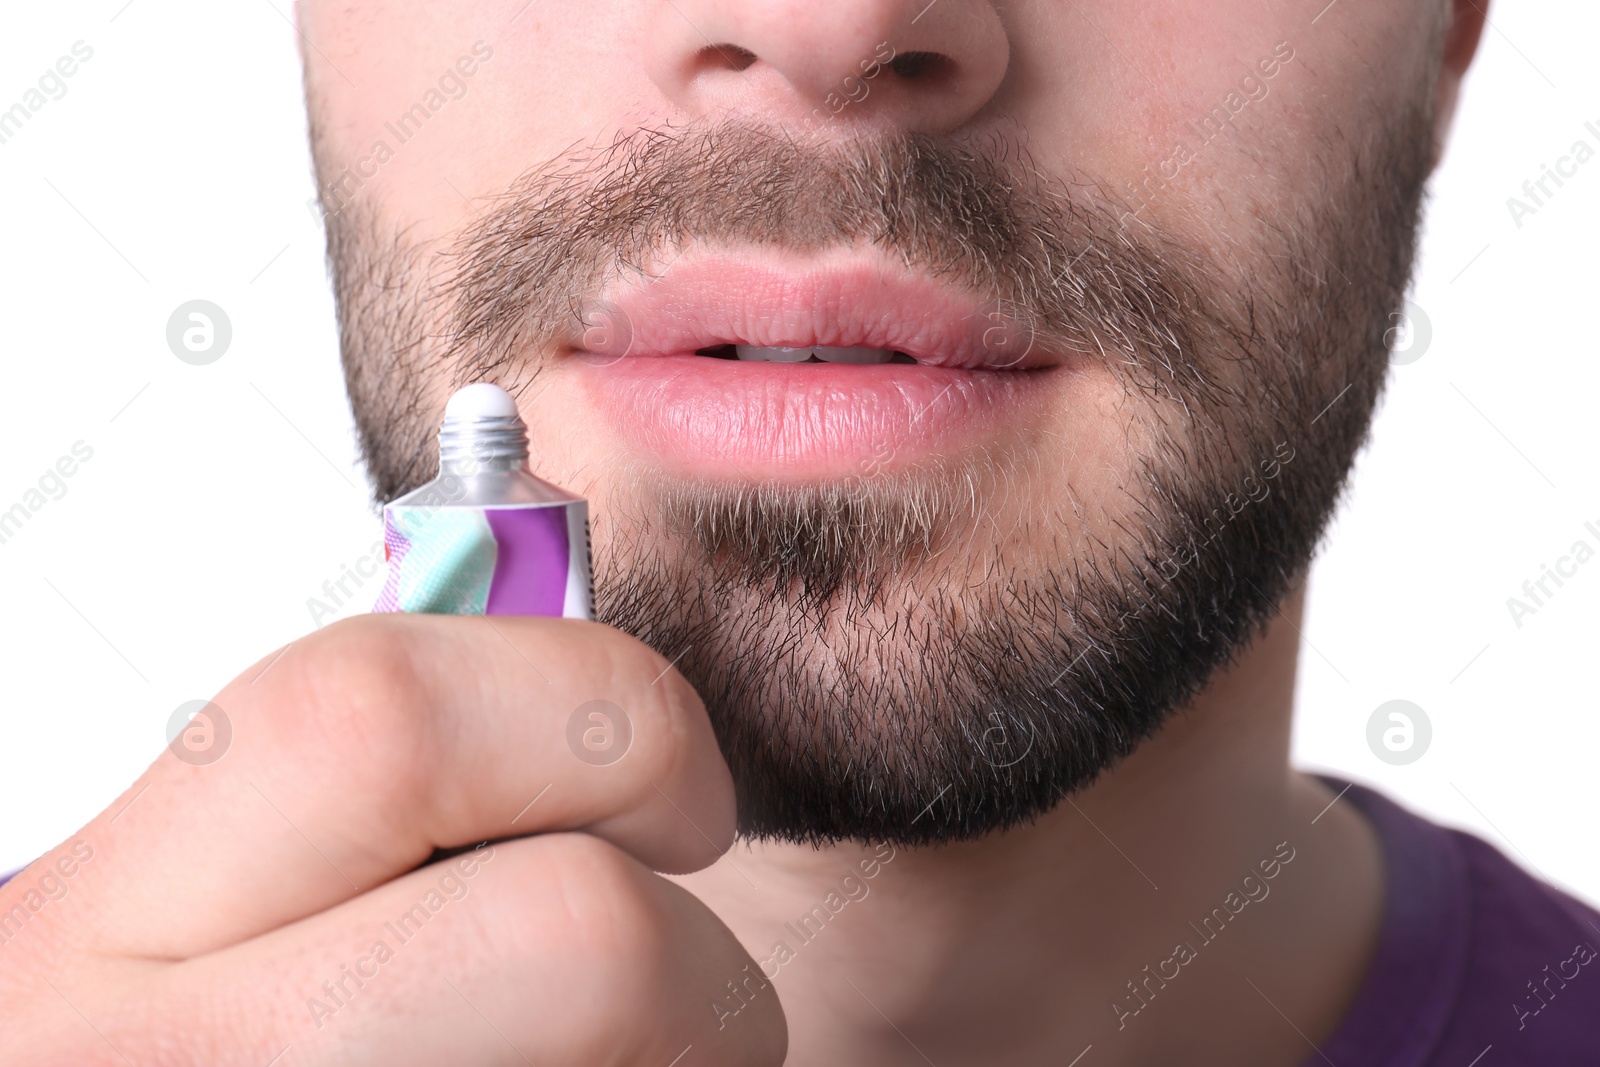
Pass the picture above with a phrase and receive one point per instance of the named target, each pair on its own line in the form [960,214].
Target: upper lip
[706,302]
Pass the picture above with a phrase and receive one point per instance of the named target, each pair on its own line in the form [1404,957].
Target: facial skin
[1175,236]
[1079,566]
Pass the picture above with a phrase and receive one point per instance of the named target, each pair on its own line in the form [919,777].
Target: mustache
[1066,263]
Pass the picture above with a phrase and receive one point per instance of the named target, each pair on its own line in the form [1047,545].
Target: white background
[220,498]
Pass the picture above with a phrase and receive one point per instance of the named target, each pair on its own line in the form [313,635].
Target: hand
[277,906]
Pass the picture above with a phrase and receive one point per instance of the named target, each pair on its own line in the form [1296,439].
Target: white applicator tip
[482,400]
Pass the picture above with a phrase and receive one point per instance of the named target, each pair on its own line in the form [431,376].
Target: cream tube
[486,537]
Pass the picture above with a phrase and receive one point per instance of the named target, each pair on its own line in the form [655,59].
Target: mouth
[860,355]
[748,368]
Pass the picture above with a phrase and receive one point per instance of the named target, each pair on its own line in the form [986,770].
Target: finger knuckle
[602,915]
[348,699]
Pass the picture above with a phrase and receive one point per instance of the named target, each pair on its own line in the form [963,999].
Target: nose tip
[920,66]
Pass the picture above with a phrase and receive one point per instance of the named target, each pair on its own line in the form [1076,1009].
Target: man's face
[1121,274]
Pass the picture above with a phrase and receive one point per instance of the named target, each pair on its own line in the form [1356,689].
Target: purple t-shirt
[1478,963]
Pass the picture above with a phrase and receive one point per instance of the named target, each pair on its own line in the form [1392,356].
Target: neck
[1195,904]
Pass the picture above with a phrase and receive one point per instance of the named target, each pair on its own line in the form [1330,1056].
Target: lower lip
[744,418]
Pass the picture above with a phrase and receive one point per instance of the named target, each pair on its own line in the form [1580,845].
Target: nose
[895,65]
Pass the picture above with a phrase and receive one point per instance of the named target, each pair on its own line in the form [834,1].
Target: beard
[951,647]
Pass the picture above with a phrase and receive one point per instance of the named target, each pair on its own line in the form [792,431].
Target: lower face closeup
[955,386]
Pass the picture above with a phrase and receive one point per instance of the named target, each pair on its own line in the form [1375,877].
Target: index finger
[377,740]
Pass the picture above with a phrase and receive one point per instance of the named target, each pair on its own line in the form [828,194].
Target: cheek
[545,76]
[1167,108]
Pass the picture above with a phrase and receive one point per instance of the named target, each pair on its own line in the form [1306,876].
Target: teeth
[826,353]
[772,355]
[853,355]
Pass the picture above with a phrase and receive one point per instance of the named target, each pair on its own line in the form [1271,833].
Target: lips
[740,368]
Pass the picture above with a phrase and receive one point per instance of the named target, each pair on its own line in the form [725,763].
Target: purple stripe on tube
[530,573]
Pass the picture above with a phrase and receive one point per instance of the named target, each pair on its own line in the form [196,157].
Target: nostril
[918,64]
[725,56]
[908,65]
